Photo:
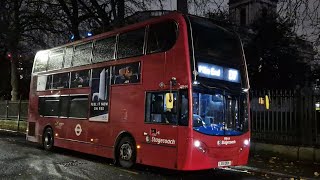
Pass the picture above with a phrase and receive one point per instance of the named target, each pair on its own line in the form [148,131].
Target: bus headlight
[197,143]
[200,146]
[246,142]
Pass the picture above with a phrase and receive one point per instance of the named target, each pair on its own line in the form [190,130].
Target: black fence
[14,110]
[293,117]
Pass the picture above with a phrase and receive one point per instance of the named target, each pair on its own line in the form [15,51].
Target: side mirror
[169,100]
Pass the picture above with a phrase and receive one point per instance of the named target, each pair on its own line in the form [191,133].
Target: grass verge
[13,125]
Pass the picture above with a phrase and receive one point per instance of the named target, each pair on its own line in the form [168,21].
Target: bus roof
[126,27]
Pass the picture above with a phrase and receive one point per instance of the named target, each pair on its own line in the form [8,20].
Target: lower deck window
[49,106]
[157,110]
[79,106]
[75,106]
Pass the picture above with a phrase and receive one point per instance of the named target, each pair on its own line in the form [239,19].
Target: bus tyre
[47,139]
[126,152]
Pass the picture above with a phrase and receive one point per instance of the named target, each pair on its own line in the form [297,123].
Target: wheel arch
[121,135]
[47,126]
[44,129]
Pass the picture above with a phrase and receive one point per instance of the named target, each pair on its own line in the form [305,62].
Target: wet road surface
[23,160]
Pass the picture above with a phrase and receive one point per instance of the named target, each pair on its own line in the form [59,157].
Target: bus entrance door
[160,147]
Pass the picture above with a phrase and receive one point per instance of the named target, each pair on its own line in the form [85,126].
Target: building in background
[245,12]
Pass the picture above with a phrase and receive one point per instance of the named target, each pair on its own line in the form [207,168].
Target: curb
[13,132]
[308,154]
[265,171]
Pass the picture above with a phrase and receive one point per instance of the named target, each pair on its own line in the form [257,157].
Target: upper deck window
[162,36]
[41,61]
[80,79]
[82,54]
[60,81]
[104,49]
[131,43]
[68,57]
[214,41]
[55,59]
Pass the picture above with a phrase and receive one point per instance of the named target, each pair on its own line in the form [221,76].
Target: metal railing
[292,119]
[14,110]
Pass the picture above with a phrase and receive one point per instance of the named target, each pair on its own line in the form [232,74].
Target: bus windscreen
[210,40]
[220,114]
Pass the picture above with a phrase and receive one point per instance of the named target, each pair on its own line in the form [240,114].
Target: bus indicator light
[246,142]
[200,146]
[197,143]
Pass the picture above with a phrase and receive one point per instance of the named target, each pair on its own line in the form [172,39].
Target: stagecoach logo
[225,141]
[78,130]
[58,124]
[148,139]
[163,141]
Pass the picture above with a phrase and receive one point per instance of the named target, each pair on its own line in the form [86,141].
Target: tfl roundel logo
[78,130]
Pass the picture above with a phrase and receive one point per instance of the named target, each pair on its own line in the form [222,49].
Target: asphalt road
[23,160]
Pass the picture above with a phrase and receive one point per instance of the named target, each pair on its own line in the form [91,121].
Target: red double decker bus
[170,92]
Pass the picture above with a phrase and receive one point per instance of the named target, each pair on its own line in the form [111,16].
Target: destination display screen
[218,72]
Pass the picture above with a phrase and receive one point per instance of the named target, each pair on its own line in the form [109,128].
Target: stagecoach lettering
[226,142]
[163,141]
[58,124]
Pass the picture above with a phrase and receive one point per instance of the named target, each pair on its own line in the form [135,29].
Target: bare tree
[96,15]
[204,7]
[20,21]
[306,16]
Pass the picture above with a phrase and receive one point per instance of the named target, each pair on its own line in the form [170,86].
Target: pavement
[268,164]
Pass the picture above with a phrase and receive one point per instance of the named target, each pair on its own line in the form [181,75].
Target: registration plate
[224,163]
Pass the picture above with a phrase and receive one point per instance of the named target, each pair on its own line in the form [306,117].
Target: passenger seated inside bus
[169,117]
[160,113]
[126,75]
[157,108]
[78,80]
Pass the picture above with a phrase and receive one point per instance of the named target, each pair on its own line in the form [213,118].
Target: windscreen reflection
[217,114]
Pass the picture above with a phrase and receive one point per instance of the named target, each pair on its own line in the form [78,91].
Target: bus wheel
[126,152]
[47,140]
